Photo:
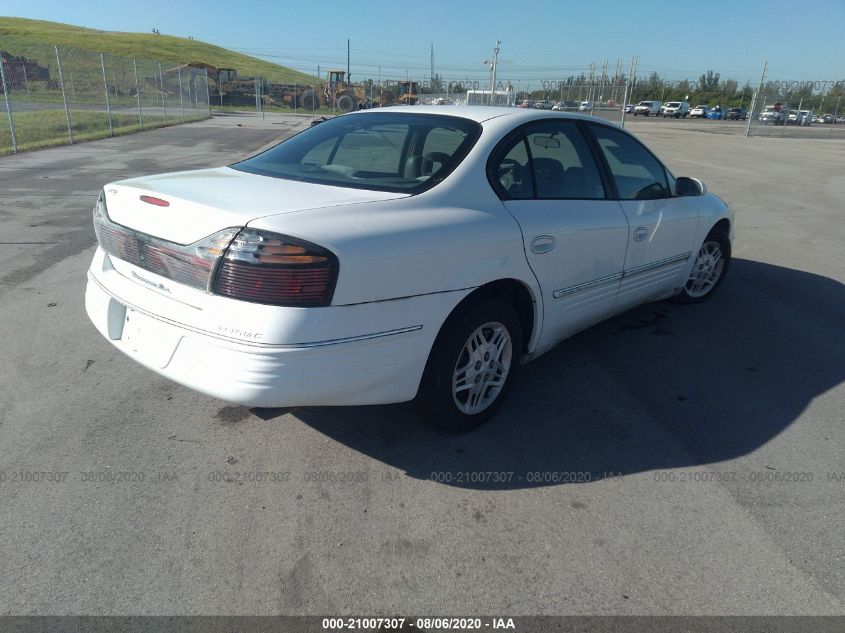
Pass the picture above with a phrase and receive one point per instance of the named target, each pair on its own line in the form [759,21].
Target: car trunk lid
[184,207]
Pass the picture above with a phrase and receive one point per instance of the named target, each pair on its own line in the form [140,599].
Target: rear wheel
[309,100]
[472,365]
[709,270]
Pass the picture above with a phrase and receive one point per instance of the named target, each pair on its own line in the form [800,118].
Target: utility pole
[754,99]
[431,78]
[495,62]
[348,69]
[603,81]
[625,96]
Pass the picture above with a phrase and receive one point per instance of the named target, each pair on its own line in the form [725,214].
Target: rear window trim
[459,157]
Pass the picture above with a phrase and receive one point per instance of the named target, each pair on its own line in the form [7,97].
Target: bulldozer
[406,93]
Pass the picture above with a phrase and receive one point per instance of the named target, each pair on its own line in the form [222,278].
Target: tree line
[709,89]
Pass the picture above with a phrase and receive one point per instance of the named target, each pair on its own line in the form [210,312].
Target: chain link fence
[69,95]
[780,110]
[74,95]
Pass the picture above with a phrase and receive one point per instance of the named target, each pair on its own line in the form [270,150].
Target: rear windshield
[399,152]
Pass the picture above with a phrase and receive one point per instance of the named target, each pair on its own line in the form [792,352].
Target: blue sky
[541,40]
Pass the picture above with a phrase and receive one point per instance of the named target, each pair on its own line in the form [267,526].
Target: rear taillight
[273,269]
[190,264]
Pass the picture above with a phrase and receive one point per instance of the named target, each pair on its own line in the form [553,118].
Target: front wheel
[346,103]
[709,270]
[472,366]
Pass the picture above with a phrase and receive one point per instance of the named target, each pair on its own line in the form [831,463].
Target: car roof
[478,113]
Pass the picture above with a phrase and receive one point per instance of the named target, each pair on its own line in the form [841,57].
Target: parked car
[826,118]
[543,104]
[840,119]
[770,116]
[386,255]
[676,109]
[585,106]
[647,108]
[699,111]
[737,114]
[716,113]
[566,106]
[799,117]
[629,107]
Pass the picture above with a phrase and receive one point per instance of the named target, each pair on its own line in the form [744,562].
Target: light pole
[493,64]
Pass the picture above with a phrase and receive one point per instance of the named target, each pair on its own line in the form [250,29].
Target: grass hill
[36,38]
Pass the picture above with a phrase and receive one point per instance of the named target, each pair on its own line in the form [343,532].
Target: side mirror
[689,186]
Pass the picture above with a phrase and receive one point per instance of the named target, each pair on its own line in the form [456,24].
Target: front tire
[346,103]
[472,365]
[709,270]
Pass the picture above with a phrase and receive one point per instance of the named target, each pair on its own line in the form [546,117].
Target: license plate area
[151,341]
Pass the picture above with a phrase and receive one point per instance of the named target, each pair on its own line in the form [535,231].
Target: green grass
[47,128]
[36,38]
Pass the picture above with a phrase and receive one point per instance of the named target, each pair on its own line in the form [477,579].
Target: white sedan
[387,255]
[700,111]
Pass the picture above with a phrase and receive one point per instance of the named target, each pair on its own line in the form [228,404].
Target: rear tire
[472,365]
[310,101]
[709,270]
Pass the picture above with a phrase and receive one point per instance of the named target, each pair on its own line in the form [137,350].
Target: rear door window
[562,164]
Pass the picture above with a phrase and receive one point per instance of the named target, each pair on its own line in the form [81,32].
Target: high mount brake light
[264,267]
[156,201]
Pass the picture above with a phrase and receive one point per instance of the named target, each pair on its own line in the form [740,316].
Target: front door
[662,227]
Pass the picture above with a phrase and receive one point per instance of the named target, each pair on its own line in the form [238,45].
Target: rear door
[662,226]
[574,234]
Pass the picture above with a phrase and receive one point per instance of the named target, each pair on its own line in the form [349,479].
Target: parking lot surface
[673,460]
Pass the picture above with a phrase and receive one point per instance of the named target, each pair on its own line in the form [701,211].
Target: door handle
[542,244]
[640,233]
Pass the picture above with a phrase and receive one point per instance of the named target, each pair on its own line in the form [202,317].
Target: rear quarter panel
[456,235]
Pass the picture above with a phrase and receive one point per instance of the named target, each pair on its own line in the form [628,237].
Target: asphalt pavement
[673,460]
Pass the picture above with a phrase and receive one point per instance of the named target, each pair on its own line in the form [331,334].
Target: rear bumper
[382,365]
